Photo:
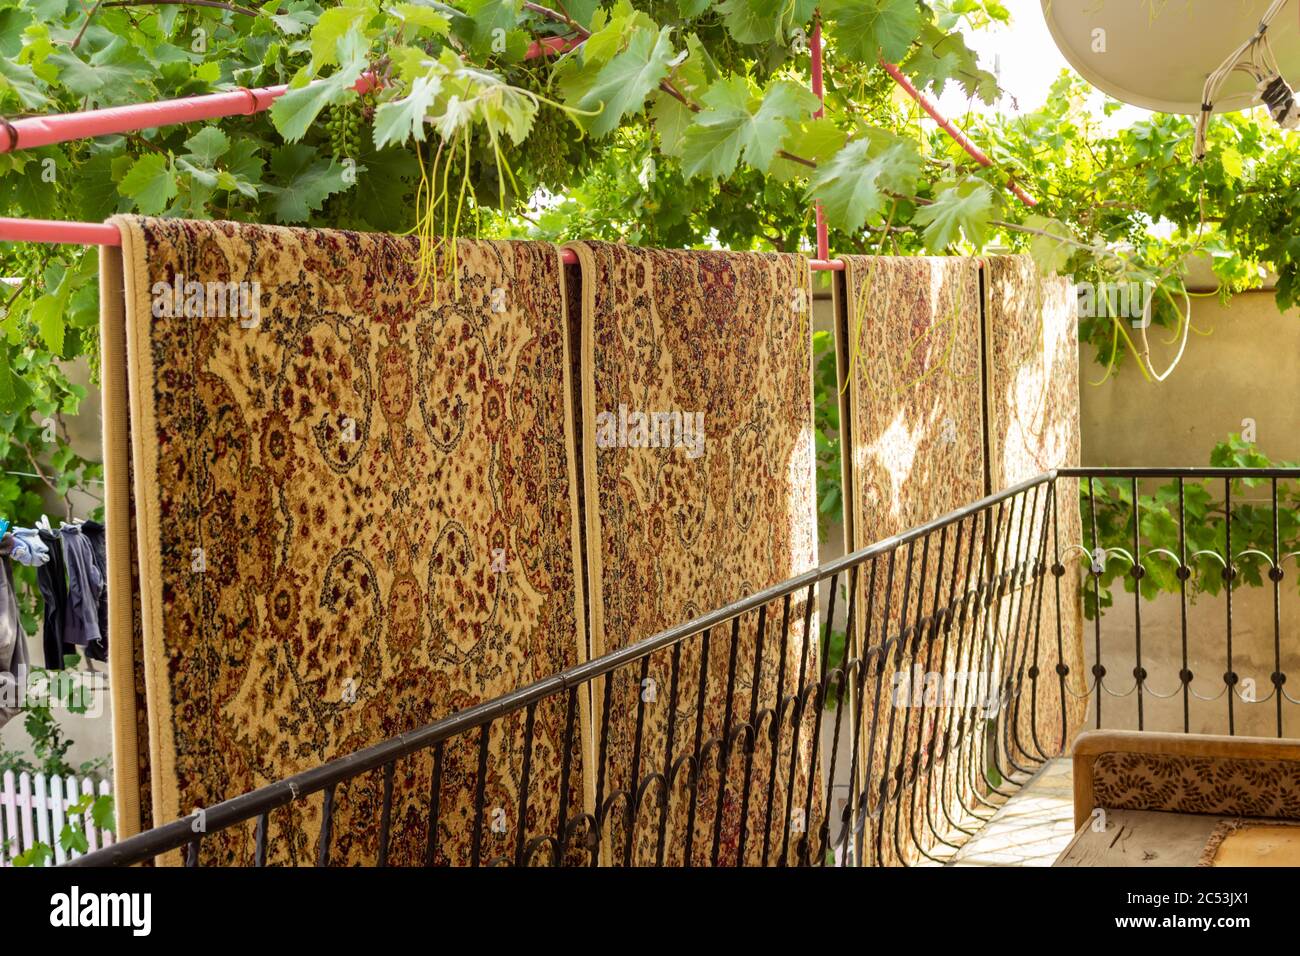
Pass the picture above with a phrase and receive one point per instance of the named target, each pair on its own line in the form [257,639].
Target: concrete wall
[1241,368]
[1242,362]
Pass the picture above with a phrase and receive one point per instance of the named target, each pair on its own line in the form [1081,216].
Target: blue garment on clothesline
[28,548]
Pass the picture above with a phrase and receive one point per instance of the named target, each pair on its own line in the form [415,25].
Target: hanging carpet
[910,352]
[700,489]
[345,498]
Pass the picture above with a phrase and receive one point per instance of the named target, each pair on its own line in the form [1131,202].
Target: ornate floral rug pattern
[356,512]
[916,452]
[679,528]
[1031,325]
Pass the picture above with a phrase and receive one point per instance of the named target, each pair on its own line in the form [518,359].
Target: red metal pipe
[819,90]
[36,131]
[46,230]
[104,234]
[961,139]
[33,131]
[549,46]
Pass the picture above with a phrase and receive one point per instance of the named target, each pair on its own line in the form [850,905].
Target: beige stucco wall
[1242,361]
[1242,366]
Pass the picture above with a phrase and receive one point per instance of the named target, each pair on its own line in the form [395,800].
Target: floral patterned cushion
[1186,784]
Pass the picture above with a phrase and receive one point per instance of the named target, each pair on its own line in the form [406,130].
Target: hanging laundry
[83,593]
[52,581]
[26,547]
[95,534]
[698,446]
[385,531]
[13,649]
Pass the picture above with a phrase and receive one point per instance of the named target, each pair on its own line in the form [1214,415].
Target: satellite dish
[1157,54]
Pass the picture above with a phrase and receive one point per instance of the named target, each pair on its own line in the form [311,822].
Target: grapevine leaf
[624,82]
[117,72]
[867,29]
[816,140]
[426,20]
[95,188]
[38,853]
[494,21]
[47,315]
[294,22]
[942,56]
[101,812]
[13,22]
[305,182]
[963,208]
[672,118]
[150,182]
[295,111]
[761,21]
[727,128]
[399,119]
[22,82]
[1051,254]
[335,25]
[855,184]
[208,144]
[73,839]
[752,21]
[385,181]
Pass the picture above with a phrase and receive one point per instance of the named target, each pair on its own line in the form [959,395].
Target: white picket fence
[34,810]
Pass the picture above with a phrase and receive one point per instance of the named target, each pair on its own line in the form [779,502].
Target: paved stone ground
[1030,829]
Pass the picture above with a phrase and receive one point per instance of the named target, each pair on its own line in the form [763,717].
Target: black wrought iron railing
[972,648]
[1190,602]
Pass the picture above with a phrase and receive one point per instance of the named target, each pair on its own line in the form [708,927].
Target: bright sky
[1026,59]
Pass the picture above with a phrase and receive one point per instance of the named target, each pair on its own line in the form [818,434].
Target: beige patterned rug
[355,512]
[1031,324]
[684,515]
[915,453]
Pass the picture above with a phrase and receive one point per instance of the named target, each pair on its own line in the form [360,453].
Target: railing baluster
[602,763]
[525,781]
[1139,674]
[910,761]
[326,828]
[776,724]
[566,768]
[670,738]
[435,799]
[700,701]
[756,681]
[1058,574]
[1229,574]
[386,814]
[1096,565]
[878,826]
[634,777]
[259,852]
[850,646]
[724,751]
[1184,572]
[1275,575]
[892,770]
[796,720]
